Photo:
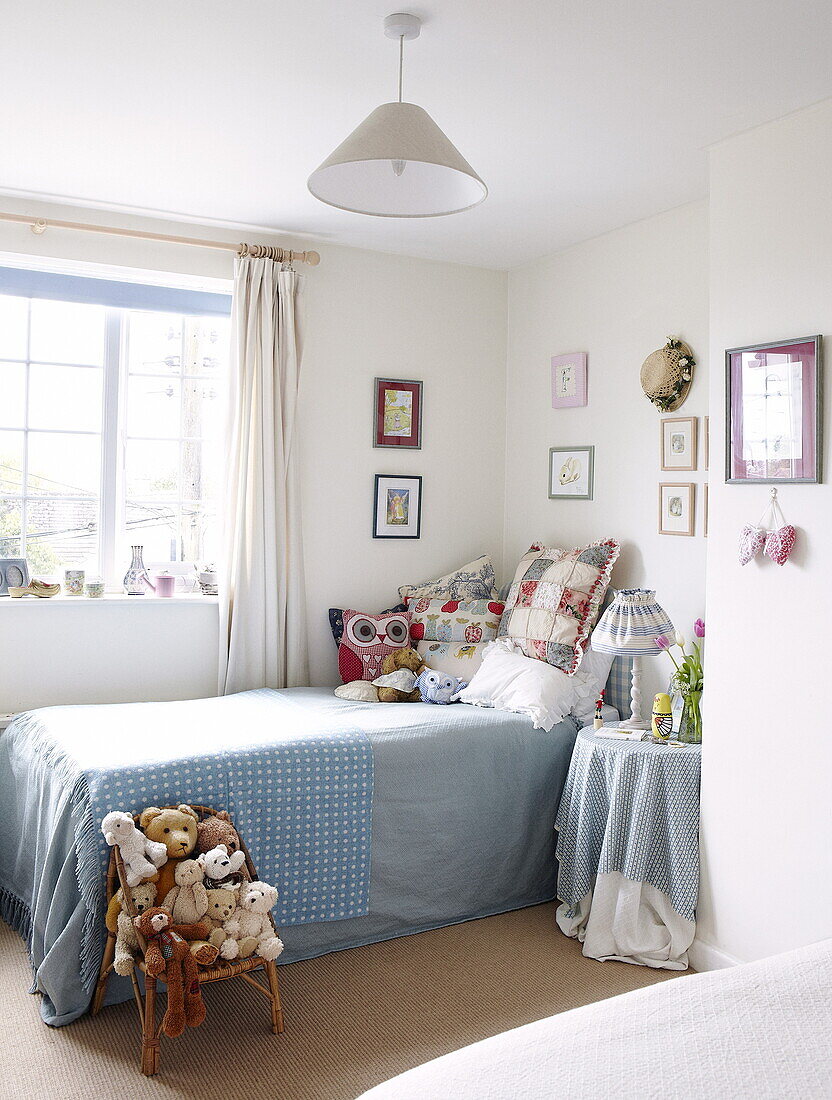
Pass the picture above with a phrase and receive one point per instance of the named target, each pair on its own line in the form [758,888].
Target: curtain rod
[282,255]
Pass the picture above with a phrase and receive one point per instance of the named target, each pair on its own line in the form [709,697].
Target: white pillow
[591,679]
[509,680]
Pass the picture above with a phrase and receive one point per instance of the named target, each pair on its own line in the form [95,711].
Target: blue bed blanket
[299,790]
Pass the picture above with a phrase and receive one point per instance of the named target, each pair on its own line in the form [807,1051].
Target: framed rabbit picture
[571,473]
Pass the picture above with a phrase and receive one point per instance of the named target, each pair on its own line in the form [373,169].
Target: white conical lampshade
[398,164]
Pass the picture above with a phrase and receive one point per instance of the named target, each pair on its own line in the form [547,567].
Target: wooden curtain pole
[283,255]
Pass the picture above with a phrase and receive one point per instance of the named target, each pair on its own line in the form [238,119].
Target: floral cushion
[554,601]
[474,581]
[454,620]
[367,640]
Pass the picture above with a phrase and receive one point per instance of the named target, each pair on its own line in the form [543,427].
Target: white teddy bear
[142,857]
[219,866]
[250,928]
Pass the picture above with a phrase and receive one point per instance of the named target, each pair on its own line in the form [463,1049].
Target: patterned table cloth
[630,810]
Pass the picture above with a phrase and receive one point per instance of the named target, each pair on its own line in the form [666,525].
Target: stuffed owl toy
[437,687]
[367,640]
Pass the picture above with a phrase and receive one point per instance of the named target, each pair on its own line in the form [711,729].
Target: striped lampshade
[631,624]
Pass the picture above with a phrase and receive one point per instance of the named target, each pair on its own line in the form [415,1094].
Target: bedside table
[628,849]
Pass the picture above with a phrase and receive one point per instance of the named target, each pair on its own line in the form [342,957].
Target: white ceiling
[580,116]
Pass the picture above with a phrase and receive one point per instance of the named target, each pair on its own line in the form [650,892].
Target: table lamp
[629,628]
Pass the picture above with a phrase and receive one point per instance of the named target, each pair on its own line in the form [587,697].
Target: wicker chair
[219,972]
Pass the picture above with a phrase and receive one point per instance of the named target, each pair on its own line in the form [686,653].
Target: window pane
[152,470]
[65,397]
[61,533]
[64,464]
[156,528]
[11,462]
[65,332]
[154,342]
[154,407]
[206,345]
[14,322]
[200,533]
[12,393]
[11,518]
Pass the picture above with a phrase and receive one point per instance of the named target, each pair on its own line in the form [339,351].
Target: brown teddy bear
[176,829]
[168,953]
[400,658]
[217,829]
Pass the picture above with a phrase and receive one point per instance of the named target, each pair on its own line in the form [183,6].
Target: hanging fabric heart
[780,543]
[752,542]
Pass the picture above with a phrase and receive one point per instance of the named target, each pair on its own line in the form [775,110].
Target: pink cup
[165,585]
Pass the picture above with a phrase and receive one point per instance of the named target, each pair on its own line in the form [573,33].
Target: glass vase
[690,729]
[135,579]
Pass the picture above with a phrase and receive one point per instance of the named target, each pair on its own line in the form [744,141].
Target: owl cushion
[554,601]
[366,641]
[446,620]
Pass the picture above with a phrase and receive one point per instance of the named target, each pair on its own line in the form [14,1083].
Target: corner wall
[616,297]
[767,756]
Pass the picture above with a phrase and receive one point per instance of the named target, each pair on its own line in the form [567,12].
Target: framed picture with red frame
[398,413]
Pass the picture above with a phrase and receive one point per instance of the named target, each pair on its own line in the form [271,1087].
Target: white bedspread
[763,1030]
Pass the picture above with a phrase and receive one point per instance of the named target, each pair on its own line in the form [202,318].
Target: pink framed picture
[773,422]
[569,380]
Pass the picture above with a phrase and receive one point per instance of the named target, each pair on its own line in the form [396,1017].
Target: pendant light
[398,163]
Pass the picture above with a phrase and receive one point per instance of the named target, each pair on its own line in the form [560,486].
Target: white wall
[367,314]
[767,755]
[616,297]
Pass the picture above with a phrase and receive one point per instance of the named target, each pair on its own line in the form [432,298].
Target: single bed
[463,807]
[758,1031]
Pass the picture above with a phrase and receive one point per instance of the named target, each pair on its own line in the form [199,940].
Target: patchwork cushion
[336,619]
[444,620]
[367,640]
[458,659]
[554,601]
[474,581]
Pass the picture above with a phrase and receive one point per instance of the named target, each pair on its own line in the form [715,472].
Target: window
[110,425]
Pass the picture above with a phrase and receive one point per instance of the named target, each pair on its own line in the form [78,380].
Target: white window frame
[112,487]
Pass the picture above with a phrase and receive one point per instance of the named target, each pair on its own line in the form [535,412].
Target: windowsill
[111,598]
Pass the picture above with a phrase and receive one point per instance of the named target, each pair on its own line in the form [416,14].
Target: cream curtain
[262,595]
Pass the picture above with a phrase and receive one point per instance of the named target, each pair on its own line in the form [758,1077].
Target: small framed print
[571,473]
[397,416]
[397,507]
[676,505]
[679,442]
[773,412]
[707,442]
[569,380]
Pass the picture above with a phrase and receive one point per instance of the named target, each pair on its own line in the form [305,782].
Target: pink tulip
[699,628]
[662,641]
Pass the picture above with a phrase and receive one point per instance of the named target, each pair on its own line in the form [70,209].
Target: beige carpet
[353,1019]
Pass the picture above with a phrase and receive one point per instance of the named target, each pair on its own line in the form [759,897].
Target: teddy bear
[168,953]
[127,943]
[221,866]
[217,829]
[141,856]
[176,830]
[188,903]
[221,906]
[400,659]
[249,927]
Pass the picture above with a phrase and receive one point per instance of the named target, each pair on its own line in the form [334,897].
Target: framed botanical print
[679,437]
[569,380]
[398,413]
[774,412]
[676,508]
[571,473]
[397,507]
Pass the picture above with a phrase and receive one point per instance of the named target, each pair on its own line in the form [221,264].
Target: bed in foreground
[759,1031]
[463,805]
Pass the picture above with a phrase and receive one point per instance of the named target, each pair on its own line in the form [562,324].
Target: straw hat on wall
[666,374]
